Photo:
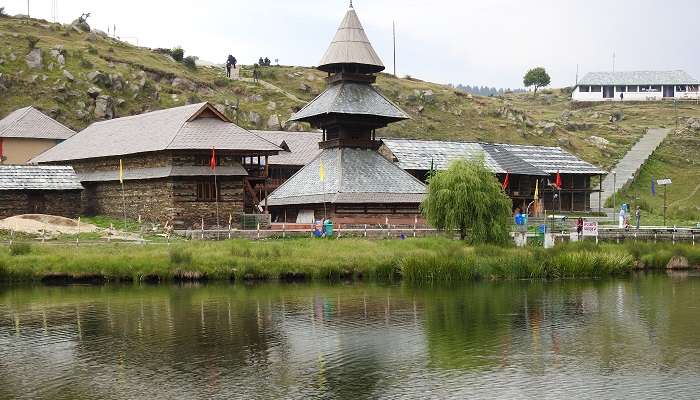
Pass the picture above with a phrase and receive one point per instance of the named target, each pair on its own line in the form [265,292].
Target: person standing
[233,61]
[638,216]
[621,221]
[579,227]
[228,67]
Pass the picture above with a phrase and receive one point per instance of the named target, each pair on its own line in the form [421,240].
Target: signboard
[662,182]
[590,228]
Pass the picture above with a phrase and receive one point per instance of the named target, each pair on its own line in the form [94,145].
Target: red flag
[557,181]
[212,162]
[506,181]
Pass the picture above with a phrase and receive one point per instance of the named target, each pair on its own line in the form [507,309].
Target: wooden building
[34,189]
[26,133]
[524,164]
[297,150]
[166,166]
[349,180]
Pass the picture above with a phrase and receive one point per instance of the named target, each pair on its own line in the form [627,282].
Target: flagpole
[212,164]
[124,204]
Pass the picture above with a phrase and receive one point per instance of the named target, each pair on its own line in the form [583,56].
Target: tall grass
[419,260]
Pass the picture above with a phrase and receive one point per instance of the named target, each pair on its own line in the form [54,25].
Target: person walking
[638,216]
[621,218]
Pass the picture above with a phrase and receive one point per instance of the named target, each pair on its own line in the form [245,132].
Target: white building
[636,86]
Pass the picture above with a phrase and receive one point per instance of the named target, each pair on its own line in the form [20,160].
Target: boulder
[80,25]
[117,82]
[274,122]
[98,78]
[272,106]
[33,59]
[678,262]
[549,127]
[12,57]
[565,115]
[94,92]
[104,107]
[68,75]
[304,87]
[598,142]
[91,37]
[141,79]
[428,96]
[255,98]
[564,142]
[293,126]
[254,118]
[184,84]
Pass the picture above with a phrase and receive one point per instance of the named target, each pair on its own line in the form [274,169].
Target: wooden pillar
[572,191]
[267,170]
[600,193]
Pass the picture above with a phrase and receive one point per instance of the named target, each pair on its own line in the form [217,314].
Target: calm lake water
[636,338]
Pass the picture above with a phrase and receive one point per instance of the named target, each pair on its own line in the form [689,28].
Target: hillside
[82,77]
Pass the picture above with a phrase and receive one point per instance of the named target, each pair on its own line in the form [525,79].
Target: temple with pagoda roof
[349,180]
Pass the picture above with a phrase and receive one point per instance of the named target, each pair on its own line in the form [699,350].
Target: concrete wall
[577,95]
[21,150]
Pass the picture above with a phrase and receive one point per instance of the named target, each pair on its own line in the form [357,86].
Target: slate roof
[351,98]
[351,176]
[170,129]
[552,159]
[161,172]
[303,146]
[678,77]
[28,122]
[351,46]
[38,177]
[499,158]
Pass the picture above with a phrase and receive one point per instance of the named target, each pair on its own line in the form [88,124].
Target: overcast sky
[487,42]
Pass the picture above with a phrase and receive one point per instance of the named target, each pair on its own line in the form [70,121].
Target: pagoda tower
[349,180]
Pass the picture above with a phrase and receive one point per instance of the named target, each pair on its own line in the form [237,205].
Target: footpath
[625,170]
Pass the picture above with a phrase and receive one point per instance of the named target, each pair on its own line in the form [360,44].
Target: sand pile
[52,224]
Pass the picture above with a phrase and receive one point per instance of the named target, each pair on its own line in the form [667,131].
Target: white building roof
[678,77]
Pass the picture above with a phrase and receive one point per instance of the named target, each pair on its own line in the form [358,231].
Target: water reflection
[623,338]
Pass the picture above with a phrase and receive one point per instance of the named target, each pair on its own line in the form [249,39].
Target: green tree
[536,77]
[177,54]
[468,197]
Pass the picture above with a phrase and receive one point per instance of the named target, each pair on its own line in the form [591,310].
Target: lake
[636,337]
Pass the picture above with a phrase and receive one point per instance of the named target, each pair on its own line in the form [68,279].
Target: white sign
[590,228]
[663,182]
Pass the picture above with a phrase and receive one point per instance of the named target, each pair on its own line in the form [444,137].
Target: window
[650,88]
[620,89]
[680,88]
[692,88]
[206,191]
[632,88]
[656,88]
[595,88]
[584,88]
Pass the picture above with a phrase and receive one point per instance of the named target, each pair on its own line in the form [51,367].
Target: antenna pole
[393,29]
[613,62]
[577,74]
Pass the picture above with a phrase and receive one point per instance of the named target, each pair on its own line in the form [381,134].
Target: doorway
[36,203]
[608,92]
[669,91]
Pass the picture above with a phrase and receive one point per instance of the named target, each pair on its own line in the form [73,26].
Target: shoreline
[422,260]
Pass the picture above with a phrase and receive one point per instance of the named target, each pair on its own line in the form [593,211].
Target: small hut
[39,189]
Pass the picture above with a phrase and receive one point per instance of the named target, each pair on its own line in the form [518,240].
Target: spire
[350,49]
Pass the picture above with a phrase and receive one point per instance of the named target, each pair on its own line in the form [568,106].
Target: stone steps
[626,169]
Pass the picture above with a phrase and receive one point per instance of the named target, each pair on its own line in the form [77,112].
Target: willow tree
[468,197]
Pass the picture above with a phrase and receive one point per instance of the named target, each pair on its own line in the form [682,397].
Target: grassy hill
[85,77]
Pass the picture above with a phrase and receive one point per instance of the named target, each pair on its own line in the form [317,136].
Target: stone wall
[188,212]
[150,199]
[63,203]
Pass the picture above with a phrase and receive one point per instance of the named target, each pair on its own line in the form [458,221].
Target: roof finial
[350,3]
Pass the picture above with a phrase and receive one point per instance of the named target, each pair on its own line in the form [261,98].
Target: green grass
[416,261]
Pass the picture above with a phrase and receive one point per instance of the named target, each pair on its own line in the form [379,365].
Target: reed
[417,260]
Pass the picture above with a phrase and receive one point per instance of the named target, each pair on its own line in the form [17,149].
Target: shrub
[222,82]
[190,62]
[2,12]
[20,249]
[177,54]
[32,41]
[91,49]
[179,256]
[86,64]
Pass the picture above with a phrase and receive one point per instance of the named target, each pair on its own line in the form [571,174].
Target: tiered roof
[351,176]
[351,47]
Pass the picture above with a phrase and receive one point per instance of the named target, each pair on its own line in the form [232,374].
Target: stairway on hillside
[628,166]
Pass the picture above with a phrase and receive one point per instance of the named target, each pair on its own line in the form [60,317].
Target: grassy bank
[420,260]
